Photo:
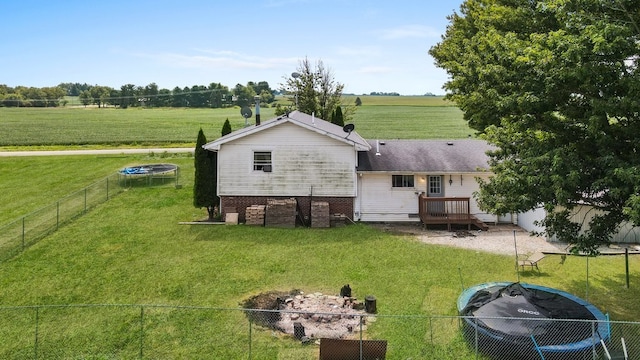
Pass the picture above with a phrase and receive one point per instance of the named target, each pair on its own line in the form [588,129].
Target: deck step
[479,224]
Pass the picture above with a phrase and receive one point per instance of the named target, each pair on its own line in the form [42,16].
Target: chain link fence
[27,230]
[173,332]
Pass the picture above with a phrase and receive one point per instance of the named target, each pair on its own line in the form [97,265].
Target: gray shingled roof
[434,156]
[298,118]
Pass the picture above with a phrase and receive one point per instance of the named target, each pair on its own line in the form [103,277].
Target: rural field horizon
[380,117]
[132,250]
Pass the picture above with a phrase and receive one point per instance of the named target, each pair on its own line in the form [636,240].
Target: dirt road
[94,152]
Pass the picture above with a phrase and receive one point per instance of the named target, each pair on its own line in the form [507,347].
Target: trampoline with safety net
[523,321]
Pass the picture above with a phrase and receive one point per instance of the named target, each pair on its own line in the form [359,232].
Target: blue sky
[368,45]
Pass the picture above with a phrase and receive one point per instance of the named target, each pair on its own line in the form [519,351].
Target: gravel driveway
[499,239]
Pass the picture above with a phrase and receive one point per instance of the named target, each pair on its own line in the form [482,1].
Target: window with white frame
[435,185]
[262,161]
[405,181]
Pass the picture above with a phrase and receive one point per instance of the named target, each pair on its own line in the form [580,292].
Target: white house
[309,159]
[294,155]
[303,157]
[394,172]
[582,214]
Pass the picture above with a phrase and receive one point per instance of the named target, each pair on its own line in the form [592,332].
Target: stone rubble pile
[323,316]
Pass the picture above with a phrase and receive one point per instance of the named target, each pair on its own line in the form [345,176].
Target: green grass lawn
[29,183]
[131,250]
[379,117]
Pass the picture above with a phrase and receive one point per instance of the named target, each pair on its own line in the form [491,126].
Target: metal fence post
[250,336]
[361,321]
[35,343]
[475,328]
[593,339]
[141,330]
[587,291]
[626,265]
[431,328]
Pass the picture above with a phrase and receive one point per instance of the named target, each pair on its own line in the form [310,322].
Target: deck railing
[444,207]
[445,211]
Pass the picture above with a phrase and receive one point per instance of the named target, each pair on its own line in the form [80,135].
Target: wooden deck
[447,211]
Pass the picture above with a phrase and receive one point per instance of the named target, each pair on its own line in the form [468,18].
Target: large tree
[244,95]
[204,182]
[554,85]
[314,90]
[100,95]
[150,95]
[219,95]
[127,96]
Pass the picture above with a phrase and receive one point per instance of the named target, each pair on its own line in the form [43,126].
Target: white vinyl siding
[528,219]
[377,201]
[464,185]
[583,214]
[303,162]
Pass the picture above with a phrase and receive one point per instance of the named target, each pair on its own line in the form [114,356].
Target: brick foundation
[337,205]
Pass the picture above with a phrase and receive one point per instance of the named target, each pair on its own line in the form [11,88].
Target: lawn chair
[619,355]
[532,261]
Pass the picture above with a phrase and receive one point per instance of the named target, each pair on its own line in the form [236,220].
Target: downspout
[359,194]
[213,156]
[310,201]
[358,179]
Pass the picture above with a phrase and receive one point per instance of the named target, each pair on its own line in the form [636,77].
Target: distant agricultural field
[383,117]
[194,278]
[399,100]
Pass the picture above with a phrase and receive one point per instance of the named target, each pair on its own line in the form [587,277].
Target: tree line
[214,95]
[31,96]
[554,85]
[312,89]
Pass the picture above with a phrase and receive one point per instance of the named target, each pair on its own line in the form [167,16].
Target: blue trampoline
[148,174]
[523,321]
[150,169]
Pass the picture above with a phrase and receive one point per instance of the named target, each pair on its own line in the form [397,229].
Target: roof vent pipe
[378,148]
[257,99]
[313,118]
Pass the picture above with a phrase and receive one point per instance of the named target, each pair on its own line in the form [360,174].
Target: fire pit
[309,316]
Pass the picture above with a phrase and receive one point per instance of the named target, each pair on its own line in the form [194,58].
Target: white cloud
[409,31]
[220,59]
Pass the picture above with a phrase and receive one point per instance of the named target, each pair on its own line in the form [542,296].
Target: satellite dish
[348,128]
[246,112]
